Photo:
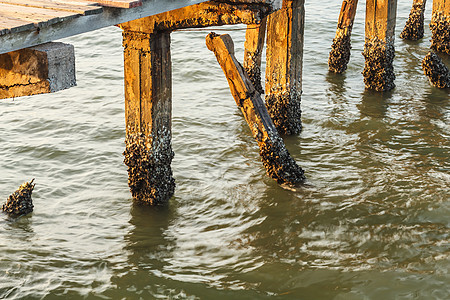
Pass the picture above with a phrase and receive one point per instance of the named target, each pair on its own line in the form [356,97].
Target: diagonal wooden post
[414,26]
[254,45]
[284,57]
[440,26]
[379,44]
[148,109]
[340,49]
[276,158]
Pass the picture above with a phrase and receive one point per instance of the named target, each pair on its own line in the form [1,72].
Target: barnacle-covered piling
[340,49]
[379,45]
[254,45]
[378,67]
[440,26]
[436,71]
[276,159]
[20,202]
[413,29]
[285,29]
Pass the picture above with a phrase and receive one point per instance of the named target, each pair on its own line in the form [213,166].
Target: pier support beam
[414,26]
[276,158]
[440,26]
[46,68]
[285,29]
[340,49]
[379,44]
[255,38]
[148,110]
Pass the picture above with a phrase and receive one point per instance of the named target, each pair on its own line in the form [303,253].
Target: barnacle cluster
[278,162]
[149,173]
[436,71]
[254,74]
[340,53]
[20,202]
[440,27]
[285,111]
[413,29]
[378,69]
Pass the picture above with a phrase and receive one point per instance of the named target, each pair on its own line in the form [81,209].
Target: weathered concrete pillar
[340,49]
[440,26]
[46,68]
[379,44]
[285,29]
[414,26]
[276,158]
[148,110]
[255,38]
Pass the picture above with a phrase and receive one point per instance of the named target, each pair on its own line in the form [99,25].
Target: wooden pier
[30,63]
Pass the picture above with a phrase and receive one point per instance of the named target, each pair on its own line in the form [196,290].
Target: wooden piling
[379,44]
[276,158]
[414,26]
[148,109]
[340,49]
[437,72]
[285,29]
[255,38]
[440,26]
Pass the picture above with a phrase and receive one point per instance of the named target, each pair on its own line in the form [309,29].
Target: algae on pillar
[276,159]
[379,44]
[440,26]
[340,49]
[285,29]
[148,110]
[414,26]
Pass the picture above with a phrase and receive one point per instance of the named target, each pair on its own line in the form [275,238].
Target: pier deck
[27,23]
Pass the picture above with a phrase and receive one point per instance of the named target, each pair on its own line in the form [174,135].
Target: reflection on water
[372,223]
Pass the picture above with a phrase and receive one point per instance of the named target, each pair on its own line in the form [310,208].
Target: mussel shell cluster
[378,69]
[20,202]
[436,71]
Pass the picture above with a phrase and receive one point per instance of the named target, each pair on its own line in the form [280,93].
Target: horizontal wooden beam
[110,16]
[42,69]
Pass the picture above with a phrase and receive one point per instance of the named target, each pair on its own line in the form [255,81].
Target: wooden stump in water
[276,158]
[285,29]
[440,26]
[20,202]
[379,45]
[436,71]
[340,49]
[414,26]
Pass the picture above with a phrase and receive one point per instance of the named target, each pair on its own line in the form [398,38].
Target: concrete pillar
[440,26]
[276,158]
[46,68]
[148,109]
[379,44]
[414,26]
[285,29]
[340,49]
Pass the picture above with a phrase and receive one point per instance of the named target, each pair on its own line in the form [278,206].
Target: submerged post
[340,49]
[414,26]
[440,26]
[254,45]
[276,158]
[148,109]
[379,44]
[285,29]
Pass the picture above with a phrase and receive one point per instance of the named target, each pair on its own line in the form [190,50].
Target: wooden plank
[40,17]
[276,159]
[11,25]
[117,3]
[55,5]
[109,17]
